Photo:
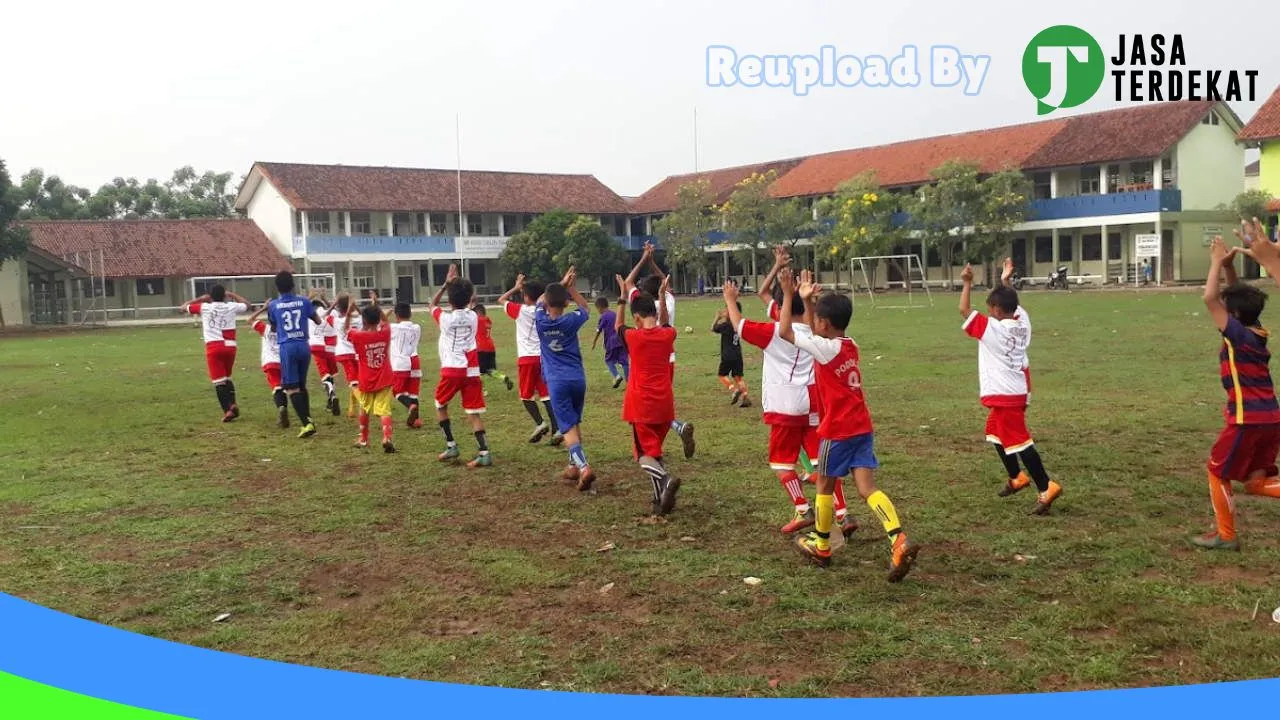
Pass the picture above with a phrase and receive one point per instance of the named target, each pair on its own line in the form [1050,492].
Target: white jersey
[218,321]
[405,336]
[527,344]
[787,388]
[316,333]
[457,339]
[270,353]
[1003,376]
[344,346]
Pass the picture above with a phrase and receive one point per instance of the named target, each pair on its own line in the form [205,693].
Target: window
[318,223]
[99,288]
[1113,178]
[361,224]
[1210,119]
[1113,246]
[297,223]
[439,273]
[1042,186]
[478,274]
[1091,247]
[1090,180]
[475,224]
[1064,248]
[405,223]
[620,225]
[1140,172]
[363,279]
[510,224]
[1044,249]
[424,276]
[439,226]
[525,222]
[150,286]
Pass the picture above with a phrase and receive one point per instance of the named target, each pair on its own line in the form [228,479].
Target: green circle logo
[1063,67]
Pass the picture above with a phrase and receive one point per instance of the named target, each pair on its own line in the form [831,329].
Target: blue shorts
[838,458]
[295,358]
[567,401]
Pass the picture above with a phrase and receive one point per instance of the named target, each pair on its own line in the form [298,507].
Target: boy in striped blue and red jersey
[1246,448]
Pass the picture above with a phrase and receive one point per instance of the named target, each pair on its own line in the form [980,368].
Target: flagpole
[695,138]
[457,134]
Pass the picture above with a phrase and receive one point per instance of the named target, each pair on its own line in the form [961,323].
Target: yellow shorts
[377,402]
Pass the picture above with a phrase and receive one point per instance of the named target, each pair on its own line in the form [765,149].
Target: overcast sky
[98,89]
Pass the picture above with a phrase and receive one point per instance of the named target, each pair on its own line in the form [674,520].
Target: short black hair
[643,305]
[284,282]
[1005,298]
[320,303]
[602,302]
[479,309]
[218,293]
[402,310]
[555,295]
[371,315]
[651,285]
[797,303]
[835,308]
[533,291]
[460,291]
[1244,302]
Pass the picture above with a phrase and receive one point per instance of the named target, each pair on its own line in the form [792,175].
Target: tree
[14,240]
[48,198]
[946,209]
[202,195]
[1006,200]
[1250,204]
[758,221]
[557,239]
[857,221]
[684,231]
[592,250]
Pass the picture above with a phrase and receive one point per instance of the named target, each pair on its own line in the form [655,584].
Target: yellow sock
[882,506]
[825,505]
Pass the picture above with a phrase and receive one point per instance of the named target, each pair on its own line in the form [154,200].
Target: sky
[98,90]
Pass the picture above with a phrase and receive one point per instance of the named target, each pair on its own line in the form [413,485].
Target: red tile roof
[662,197]
[347,187]
[1265,124]
[1125,134]
[162,248]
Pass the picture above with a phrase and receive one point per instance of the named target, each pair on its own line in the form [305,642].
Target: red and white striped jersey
[457,342]
[787,392]
[270,353]
[1003,376]
[218,321]
[527,345]
[405,336]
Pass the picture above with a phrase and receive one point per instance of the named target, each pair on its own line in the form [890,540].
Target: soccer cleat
[412,420]
[735,397]
[808,547]
[283,413]
[235,411]
[539,433]
[335,407]
[848,526]
[668,499]
[618,381]
[686,437]
[228,417]
[360,444]
[506,380]
[585,479]
[450,453]
[1046,498]
[799,521]
[557,440]
[387,447]
[482,460]
[1213,541]
[746,402]
[1014,485]
[307,431]
[904,556]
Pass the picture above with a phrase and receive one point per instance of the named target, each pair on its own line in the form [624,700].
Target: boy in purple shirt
[615,353]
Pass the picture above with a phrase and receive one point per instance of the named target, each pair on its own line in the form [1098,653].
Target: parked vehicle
[1058,278]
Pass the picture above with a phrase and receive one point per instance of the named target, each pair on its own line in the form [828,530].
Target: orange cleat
[1046,498]
[1015,485]
[904,556]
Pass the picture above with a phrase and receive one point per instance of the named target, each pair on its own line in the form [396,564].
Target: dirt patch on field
[348,585]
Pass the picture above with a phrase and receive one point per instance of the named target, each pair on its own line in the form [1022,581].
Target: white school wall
[274,216]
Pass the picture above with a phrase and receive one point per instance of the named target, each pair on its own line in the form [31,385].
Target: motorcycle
[1058,278]
[1017,281]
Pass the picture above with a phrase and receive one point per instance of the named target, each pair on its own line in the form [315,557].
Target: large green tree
[1250,204]
[683,232]
[48,197]
[557,239]
[1005,203]
[592,250]
[856,221]
[186,194]
[945,210]
[14,239]
[758,221]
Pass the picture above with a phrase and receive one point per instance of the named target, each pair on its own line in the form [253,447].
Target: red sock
[841,508]
[386,428]
[364,428]
[791,483]
[1224,507]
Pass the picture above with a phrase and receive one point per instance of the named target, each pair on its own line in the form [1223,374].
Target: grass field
[124,500]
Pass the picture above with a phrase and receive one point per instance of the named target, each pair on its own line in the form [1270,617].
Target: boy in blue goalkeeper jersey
[557,329]
[288,315]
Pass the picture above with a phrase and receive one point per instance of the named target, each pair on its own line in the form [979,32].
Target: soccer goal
[915,277]
[259,288]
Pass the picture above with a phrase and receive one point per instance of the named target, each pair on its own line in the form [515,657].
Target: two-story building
[1263,132]
[396,230]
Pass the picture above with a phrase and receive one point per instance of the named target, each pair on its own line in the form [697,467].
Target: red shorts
[647,439]
[532,384]
[404,383]
[325,364]
[221,360]
[1007,426]
[786,442]
[350,369]
[1242,450]
[272,372]
[470,387]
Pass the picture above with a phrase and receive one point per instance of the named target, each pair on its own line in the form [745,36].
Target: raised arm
[448,278]
[644,259]
[664,318]
[1260,248]
[966,291]
[1212,289]
[624,290]
[257,313]
[186,305]
[730,292]
[808,290]
[653,263]
[780,260]
[1006,273]
[518,287]
[788,283]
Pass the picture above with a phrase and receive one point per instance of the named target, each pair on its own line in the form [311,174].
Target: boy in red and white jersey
[318,341]
[772,308]
[533,386]
[405,363]
[218,328]
[1005,384]
[459,366]
[270,358]
[372,343]
[848,445]
[346,317]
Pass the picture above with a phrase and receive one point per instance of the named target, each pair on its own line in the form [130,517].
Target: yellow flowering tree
[683,231]
[856,221]
[1006,203]
[758,221]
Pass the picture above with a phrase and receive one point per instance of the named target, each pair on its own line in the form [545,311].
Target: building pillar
[395,279]
[391,224]
[1157,174]
[1055,261]
[1104,179]
[502,225]
[1106,257]
[1159,268]
[346,223]
[724,258]
[431,277]
[351,274]
[754,280]
[1053,189]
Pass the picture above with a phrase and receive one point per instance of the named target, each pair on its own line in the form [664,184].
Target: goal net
[260,288]
[903,271]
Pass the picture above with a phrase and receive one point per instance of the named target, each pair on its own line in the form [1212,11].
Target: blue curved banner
[56,650]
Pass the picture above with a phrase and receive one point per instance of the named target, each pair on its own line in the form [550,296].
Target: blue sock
[626,369]
[578,455]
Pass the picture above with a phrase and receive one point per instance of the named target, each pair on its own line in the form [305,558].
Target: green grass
[124,500]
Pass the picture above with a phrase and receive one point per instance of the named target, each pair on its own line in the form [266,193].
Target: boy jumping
[533,386]
[270,358]
[1005,384]
[457,342]
[562,365]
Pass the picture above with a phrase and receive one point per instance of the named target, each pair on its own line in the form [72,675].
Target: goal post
[915,278]
[257,288]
